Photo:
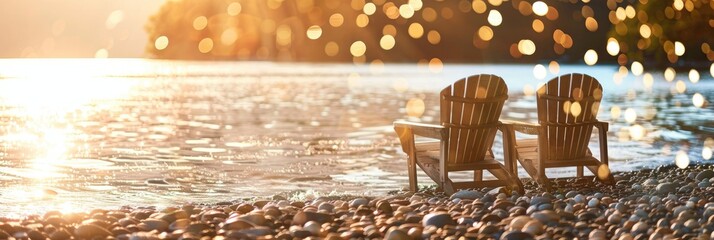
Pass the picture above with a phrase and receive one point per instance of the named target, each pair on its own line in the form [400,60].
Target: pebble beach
[662,203]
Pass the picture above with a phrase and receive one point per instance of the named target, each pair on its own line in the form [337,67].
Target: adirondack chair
[470,109]
[567,109]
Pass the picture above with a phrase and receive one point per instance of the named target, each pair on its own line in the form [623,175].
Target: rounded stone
[312,227]
[359,202]
[438,219]
[91,231]
[615,218]
[706,174]
[517,235]
[154,224]
[533,227]
[597,234]
[466,194]
[666,187]
[396,234]
[303,217]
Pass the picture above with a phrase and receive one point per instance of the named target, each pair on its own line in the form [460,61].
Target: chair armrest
[522,127]
[422,129]
[602,126]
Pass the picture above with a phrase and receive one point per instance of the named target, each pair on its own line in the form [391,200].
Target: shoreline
[663,202]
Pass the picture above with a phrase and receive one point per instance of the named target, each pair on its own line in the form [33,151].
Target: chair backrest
[470,109]
[567,107]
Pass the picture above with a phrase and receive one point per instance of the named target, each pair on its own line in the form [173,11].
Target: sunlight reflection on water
[82,134]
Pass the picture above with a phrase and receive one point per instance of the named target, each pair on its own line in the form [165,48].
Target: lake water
[81,134]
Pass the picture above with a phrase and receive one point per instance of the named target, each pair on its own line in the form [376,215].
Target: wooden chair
[470,109]
[567,108]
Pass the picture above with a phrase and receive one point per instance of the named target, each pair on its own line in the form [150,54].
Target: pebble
[517,235]
[91,231]
[358,202]
[594,202]
[534,227]
[517,223]
[615,218]
[650,182]
[438,219]
[706,174]
[303,217]
[467,194]
[666,187]
[597,234]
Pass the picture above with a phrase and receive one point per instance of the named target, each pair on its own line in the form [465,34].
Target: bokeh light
[679,48]
[693,75]
[526,47]
[698,100]
[416,30]
[336,20]
[161,43]
[494,18]
[358,48]
[648,80]
[590,57]
[387,42]
[630,115]
[314,32]
[205,45]
[539,71]
[436,65]
[613,47]
[680,86]
[669,74]
[540,8]
[637,132]
[637,68]
[603,172]
[681,159]
[615,113]
[332,49]
[200,22]
[415,107]
[485,33]
[591,24]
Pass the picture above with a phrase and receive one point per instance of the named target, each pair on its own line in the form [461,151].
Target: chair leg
[478,175]
[411,168]
[448,187]
[579,171]
[543,179]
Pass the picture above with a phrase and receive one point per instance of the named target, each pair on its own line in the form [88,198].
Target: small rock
[517,223]
[328,207]
[438,219]
[533,227]
[615,217]
[706,174]
[466,194]
[312,227]
[516,235]
[666,187]
[396,234]
[650,182]
[91,231]
[359,202]
[597,234]
[153,224]
[594,202]
[303,217]
[640,227]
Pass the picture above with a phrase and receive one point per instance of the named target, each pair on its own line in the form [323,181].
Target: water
[82,134]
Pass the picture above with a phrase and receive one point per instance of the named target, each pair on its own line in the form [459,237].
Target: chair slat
[457,109]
